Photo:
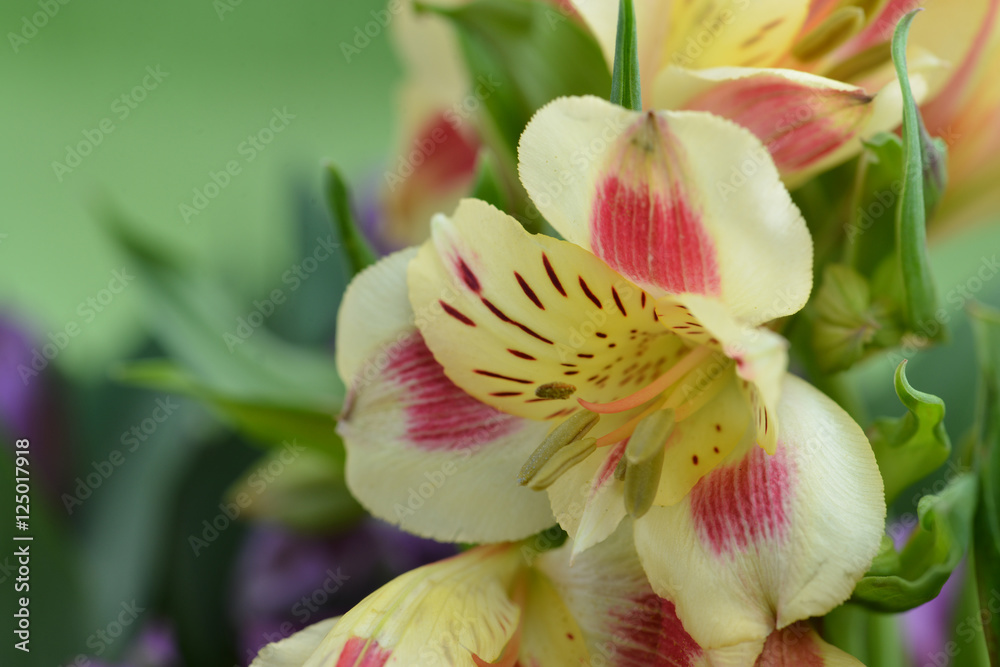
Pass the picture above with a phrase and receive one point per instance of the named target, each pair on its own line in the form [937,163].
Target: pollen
[555,390]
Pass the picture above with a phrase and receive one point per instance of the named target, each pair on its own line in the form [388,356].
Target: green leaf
[934,550]
[489,181]
[626,90]
[305,490]
[913,446]
[911,216]
[357,250]
[986,328]
[522,54]
[871,234]
[221,342]
[267,422]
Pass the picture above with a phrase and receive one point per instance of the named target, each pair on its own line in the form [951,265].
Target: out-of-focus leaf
[928,559]
[848,325]
[911,220]
[522,54]
[489,181]
[626,90]
[205,539]
[357,250]
[913,446]
[871,234]
[269,422]
[227,348]
[303,488]
[986,328]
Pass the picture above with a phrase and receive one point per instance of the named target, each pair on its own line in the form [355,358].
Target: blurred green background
[226,67]
[229,64]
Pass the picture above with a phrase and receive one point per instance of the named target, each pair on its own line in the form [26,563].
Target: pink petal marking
[738,505]
[361,652]
[608,467]
[793,646]
[440,415]
[652,240]
[644,222]
[447,155]
[647,633]
[799,124]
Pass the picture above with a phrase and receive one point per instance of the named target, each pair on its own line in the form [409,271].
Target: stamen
[626,429]
[861,63]
[642,480]
[560,462]
[649,437]
[676,372]
[621,468]
[644,455]
[840,26]
[571,429]
[698,397]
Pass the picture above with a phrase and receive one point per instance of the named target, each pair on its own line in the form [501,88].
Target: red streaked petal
[798,124]
[736,506]
[361,652]
[439,415]
[646,224]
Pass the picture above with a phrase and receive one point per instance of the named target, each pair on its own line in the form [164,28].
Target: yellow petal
[707,33]
[443,613]
[294,651]
[421,453]
[771,540]
[508,314]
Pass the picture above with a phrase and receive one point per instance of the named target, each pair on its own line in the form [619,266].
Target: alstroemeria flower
[631,351]
[495,605]
[506,605]
[809,78]
[965,116]
[437,143]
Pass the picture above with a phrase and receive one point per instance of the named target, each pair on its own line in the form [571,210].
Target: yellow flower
[437,139]
[809,78]
[502,605]
[491,356]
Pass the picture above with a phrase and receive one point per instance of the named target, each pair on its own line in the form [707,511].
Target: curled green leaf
[913,446]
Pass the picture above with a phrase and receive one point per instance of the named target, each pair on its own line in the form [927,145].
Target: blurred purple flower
[927,628]
[155,646]
[28,409]
[286,581]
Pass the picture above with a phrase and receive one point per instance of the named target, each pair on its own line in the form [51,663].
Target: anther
[571,429]
[561,461]
[840,26]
